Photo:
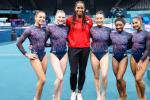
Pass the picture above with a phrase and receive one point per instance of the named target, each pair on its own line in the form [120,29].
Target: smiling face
[60,17]
[40,18]
[137,24]
[99,19]
[79,9]
[119,26]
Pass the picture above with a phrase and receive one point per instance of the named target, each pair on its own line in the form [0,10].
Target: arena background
[17,79]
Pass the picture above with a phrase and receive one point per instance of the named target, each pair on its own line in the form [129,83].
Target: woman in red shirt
[79,47]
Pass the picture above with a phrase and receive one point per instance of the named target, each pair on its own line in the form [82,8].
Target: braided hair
[83,17]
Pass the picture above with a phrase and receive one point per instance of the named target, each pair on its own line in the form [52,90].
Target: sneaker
[73,96]
[79,96]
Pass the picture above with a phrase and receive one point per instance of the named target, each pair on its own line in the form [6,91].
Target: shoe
[73,96]
[79,96]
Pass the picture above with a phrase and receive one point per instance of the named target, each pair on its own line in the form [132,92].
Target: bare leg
[63,63]
[115,70]
[96,69]
[121,71]
[104,68]
[40,72]
[139,76]
[133,68]
[57,69]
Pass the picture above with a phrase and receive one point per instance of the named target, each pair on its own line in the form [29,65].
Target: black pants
[78,58]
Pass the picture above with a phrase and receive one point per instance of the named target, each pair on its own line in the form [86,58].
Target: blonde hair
[58,11]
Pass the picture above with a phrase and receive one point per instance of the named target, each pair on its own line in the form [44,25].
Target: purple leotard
[58,37]
[100,40]
[140,48]
[36,37]
[121,42]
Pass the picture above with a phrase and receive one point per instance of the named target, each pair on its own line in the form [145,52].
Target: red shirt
[79,36]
